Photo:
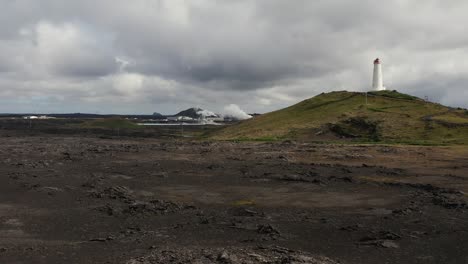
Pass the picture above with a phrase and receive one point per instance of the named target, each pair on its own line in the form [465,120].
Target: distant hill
[388,116]
[157,115]
[196,112]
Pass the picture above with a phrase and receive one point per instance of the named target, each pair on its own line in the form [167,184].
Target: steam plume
[234,111]
[206,113]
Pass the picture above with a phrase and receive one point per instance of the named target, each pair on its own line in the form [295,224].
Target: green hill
[387,117]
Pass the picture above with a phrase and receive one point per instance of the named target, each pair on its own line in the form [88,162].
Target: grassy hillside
[388,116]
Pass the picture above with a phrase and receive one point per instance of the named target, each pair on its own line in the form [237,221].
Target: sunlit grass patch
[452,118]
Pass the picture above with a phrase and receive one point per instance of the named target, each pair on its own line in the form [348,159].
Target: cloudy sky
[141,56]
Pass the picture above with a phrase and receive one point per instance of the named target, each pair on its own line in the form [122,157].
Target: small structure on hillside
[377,78]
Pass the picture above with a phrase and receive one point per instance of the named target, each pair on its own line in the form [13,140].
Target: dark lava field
[94,199]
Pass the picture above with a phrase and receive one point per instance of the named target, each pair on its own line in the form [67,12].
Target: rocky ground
[76,199]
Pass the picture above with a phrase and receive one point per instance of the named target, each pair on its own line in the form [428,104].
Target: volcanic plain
[93,198]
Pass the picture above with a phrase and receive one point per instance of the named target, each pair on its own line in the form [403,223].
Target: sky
[145,56]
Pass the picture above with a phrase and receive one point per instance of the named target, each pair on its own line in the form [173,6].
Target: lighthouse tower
[377,80]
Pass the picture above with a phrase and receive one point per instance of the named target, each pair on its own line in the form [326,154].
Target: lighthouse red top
[377,61]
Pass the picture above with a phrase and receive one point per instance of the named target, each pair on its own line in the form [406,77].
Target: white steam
[206,113]
[234,111]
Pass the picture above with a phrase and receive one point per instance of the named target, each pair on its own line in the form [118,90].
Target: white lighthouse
[377,79]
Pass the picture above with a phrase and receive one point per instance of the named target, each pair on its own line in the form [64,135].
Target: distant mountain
[196,113]
[385,116]
[157,115]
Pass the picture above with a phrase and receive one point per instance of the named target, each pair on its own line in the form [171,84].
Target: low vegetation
[110,123]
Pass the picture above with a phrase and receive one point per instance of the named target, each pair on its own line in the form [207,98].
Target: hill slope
[388,116]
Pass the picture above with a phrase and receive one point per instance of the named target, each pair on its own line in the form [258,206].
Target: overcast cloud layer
[141,56]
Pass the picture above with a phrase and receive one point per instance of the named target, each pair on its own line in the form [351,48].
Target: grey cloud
[443,89]
[85,67]
[264,53]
